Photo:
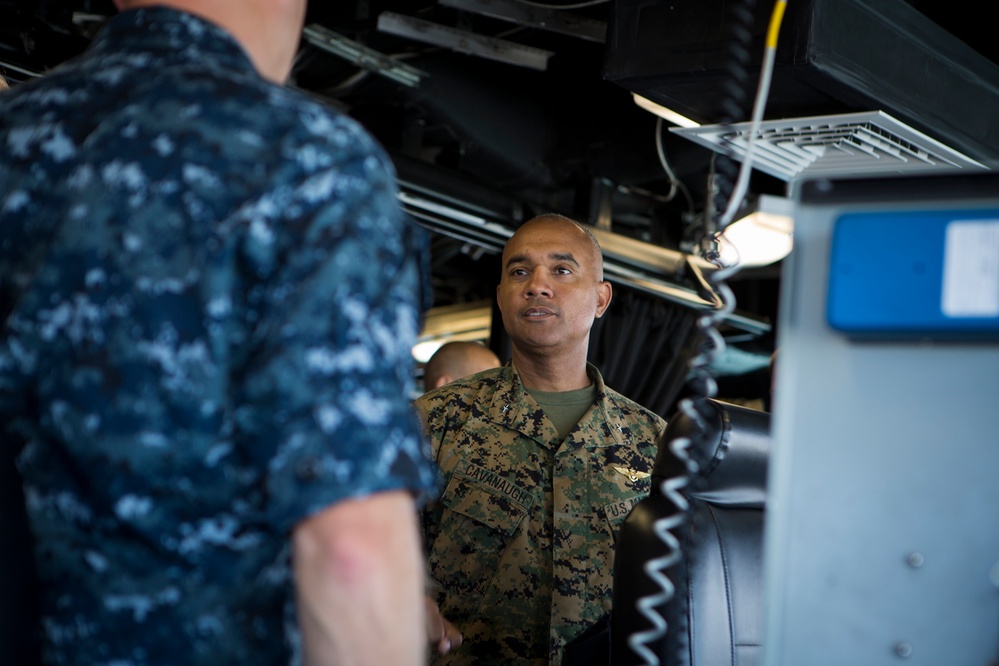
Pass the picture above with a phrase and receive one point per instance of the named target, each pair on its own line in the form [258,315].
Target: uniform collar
[513,407]
[170,36]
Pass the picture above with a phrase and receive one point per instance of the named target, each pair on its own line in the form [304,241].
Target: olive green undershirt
[565,408]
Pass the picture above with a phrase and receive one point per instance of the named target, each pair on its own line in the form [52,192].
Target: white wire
[707,325]
[675,184]
[762,92]
[671,488]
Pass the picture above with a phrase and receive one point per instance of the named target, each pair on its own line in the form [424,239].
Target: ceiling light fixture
[761,237]
[464,321]
[664,113]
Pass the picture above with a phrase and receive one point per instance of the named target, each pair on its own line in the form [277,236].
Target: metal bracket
[362,56]
[463,41]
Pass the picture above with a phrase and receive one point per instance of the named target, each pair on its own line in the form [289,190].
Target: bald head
[455,360]
[556,220]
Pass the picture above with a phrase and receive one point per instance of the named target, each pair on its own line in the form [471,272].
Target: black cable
[725,168]
[724,173]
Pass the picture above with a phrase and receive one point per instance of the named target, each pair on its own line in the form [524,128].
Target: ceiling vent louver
[852,144]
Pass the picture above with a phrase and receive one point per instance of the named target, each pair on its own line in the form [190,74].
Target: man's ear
[604,294]
[442,380]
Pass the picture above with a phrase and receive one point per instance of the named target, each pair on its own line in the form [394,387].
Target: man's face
[550,290]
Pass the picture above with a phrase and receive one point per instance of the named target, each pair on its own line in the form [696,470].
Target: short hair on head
[582,227]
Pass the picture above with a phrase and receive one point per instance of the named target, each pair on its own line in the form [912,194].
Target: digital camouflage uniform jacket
[521,541]
[208,297]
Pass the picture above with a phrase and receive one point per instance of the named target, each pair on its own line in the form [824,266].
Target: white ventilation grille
[871,143]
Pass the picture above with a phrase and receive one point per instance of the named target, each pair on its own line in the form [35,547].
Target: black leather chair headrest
[731,456]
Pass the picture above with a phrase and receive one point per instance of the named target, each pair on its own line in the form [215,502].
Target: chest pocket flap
[487,497]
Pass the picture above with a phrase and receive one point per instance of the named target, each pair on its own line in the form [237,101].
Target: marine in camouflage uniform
[208,300]
[521,542]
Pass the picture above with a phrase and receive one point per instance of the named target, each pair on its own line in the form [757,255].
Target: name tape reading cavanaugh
[503,486]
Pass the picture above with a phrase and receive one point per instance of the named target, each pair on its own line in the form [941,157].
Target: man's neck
[554,374]
[268,34]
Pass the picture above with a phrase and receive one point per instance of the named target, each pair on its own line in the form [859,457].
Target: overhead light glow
[663,112]
[464,321]
[762,237]
[422,351]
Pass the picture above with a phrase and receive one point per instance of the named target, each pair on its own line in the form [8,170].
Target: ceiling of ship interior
[543,120]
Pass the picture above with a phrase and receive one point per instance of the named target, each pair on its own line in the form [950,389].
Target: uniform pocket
[486,498]
[481,515]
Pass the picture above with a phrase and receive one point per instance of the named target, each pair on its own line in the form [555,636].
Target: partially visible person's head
[552,285]
[269,30]
[3,83]
[457,359]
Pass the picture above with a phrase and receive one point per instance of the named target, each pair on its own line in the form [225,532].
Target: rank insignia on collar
[632,474]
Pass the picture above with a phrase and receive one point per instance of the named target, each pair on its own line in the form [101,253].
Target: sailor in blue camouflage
[521,542]
[208,295]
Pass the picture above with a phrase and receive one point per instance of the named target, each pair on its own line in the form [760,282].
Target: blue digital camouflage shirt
[208,296]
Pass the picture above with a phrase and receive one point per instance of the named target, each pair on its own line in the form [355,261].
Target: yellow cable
[775,21]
